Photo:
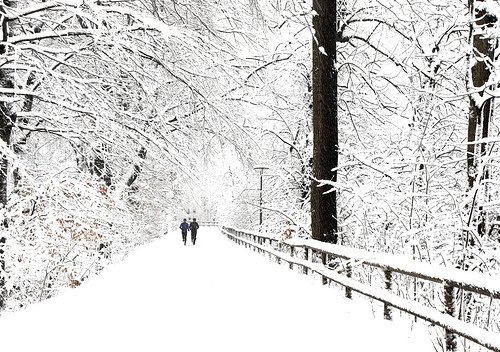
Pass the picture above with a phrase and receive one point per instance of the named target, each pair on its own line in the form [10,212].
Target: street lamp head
[260,167]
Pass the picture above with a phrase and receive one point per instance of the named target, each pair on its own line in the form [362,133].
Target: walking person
[193,226]
[184,230]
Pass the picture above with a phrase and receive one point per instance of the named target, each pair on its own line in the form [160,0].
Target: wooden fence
[300,252]
[208,223]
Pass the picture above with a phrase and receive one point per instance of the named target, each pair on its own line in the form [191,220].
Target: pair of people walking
[193,227]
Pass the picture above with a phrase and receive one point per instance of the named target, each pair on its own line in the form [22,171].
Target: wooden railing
[208,223]
[301,252]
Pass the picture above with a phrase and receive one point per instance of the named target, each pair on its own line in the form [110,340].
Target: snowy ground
[215,296]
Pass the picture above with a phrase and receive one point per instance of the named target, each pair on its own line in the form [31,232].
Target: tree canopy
[374,120]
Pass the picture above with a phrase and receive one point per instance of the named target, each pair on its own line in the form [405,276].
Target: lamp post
[261,169]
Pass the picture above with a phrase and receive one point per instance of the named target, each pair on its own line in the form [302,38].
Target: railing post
[292,250]
[324,279]
[306,258]
[388,286]
[277,248]
[271,246]
[449,301]
[348,271]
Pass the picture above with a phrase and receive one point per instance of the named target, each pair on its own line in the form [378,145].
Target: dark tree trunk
[102,170]
[325,124]
[137,168]
[481,103]
[5,112]
[6,118]
[19,145]
[3,291]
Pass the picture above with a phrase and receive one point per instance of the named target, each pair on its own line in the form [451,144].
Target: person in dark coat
[193,227]
[184,230]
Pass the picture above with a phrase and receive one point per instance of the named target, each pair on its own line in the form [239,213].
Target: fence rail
[451,279]
[209,223]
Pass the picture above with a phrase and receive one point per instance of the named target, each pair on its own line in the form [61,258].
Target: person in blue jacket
[184,229]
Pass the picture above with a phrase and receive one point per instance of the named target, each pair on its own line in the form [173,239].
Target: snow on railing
[451,279]
[209,223]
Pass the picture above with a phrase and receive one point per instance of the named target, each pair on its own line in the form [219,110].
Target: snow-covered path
[215,296]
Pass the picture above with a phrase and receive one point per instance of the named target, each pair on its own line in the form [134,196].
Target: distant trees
[273,104]
[98,101]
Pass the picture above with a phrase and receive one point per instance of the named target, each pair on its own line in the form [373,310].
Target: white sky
[215,296]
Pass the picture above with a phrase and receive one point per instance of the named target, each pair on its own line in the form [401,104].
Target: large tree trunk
[5,133]
[325,125]
[480,103]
